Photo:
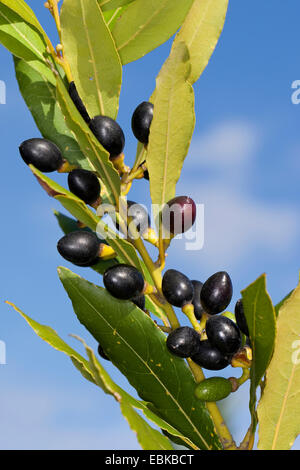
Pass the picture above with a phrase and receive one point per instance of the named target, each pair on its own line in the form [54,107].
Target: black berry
[209,357]
[123,281]
[141,121]
[198,309]
[78,102]
[109,134]
[179,214]
[80,248]
[183,341]
[240,317]
[41,153]
[139,301]
[102,353]
[144,168]
[85,185]
[177,288]
[224,334]
[216,293]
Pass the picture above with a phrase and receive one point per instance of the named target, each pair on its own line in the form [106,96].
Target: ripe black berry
[85,185]
[139,301]
[123,281]
[198,309]
[183,341]
[209,357]
[109,134]
[141,121]
[102,353]
[78,102]
[240,317]
[179,214]
[80,248]
[41,153]
[216,293]
[223,334]
[177,288]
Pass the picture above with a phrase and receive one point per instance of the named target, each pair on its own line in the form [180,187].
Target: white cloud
[228,143]
[237,223]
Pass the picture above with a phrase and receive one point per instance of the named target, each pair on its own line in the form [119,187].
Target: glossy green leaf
[112,16]
[24,11]
[87,368]
[261,320]
[279,407]
[172,126]
[146,25]
[149,438]
[50,336]
[38,88]
[67,224]
[92,55]
[103,380]
[97,157]
[125,251]
[279,305]
[141,153]
[19,37]
[137,347]
[113,4]
[201,31]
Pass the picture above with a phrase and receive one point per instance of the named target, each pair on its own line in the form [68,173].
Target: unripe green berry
[213,389]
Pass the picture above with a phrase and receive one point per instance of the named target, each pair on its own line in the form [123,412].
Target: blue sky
[244,165]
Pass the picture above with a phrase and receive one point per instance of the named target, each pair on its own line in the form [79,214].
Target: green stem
[157,279]
[219,423]
[221,428]
[203,321]
[248,441]
[61,60]
[244,377]
[188,310]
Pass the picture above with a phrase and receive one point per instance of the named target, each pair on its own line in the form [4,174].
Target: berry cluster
[214,347]
[212,343]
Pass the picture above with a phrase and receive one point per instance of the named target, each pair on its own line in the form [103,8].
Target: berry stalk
[157,278]
[219,423]
[59,58]
[188,310]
